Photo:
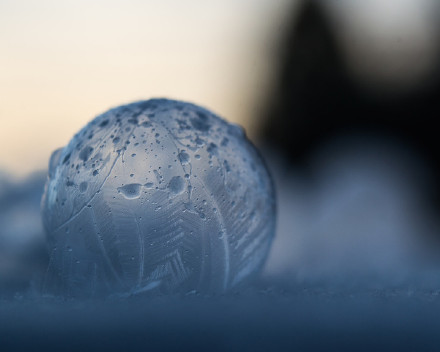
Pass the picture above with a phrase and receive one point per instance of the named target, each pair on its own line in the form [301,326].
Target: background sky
[64,62]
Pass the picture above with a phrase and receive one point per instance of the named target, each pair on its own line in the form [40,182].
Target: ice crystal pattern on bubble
[157,195]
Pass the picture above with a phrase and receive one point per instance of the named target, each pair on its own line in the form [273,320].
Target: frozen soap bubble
[160,196]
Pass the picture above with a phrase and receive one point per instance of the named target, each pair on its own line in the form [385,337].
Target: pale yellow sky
[62,62]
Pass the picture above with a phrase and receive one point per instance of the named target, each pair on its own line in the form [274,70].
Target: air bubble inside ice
[176,185]
[156,196]
[130,191]
[83,187]
[85,153]
[184,158]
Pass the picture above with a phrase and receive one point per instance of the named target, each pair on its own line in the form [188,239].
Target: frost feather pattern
[156,196]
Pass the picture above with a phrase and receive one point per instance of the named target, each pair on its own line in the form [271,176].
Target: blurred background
[340,96]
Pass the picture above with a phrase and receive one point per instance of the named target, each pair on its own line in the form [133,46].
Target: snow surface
[297,319]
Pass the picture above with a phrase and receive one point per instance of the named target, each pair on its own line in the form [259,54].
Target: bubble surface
[156,196]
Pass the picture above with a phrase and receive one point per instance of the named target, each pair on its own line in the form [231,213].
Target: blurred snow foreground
[22,242]
[360,216]
[157,195]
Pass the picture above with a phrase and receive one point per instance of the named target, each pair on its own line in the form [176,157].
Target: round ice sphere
[160,196]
